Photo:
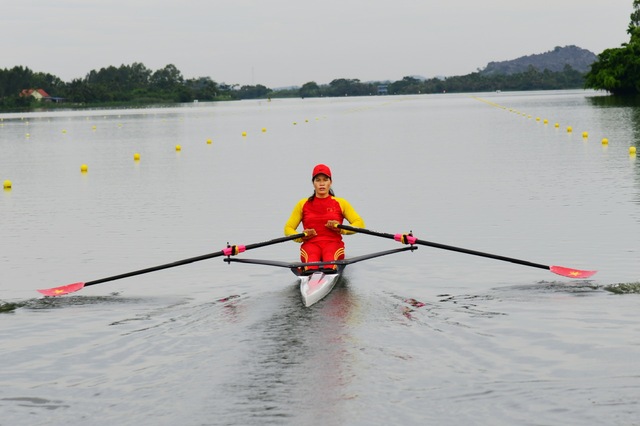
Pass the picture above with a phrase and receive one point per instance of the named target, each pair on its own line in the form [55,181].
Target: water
[430,337]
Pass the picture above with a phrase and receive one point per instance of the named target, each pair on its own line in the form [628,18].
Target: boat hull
[317,286]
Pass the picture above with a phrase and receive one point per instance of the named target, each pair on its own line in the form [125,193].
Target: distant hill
[554,60]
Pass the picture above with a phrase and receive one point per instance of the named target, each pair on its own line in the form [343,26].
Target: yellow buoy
[557,125]
[93,127]
[27,135]
[84,168]
[605,141]
[264,129]
[585,134]
[546,121]
[64,131]
[244,133]
[632,150]
[7,184]
[209,141]
[294,123]
[537,118]
[569,129]
[178,148]
[136,157]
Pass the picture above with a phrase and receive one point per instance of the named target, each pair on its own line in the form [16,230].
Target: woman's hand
[333,225]
[308,234]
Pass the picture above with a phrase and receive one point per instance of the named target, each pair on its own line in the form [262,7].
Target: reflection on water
[297,365]
[614,101]
[37,403]
[622,111]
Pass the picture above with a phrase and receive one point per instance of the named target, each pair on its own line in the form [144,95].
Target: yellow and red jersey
[315,212]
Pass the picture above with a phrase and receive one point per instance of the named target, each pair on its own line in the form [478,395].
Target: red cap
[321,169]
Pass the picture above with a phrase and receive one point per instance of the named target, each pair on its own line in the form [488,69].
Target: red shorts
[324,252]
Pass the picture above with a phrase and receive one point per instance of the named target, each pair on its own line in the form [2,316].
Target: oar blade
[570,272]
[62,290]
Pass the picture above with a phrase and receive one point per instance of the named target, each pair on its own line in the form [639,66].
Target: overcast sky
[290,42]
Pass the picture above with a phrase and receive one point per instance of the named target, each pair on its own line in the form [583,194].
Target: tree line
[133,83]
[617,70]
[137,84]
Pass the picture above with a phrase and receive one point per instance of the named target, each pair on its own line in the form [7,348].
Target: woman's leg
[310,252]
[333,251]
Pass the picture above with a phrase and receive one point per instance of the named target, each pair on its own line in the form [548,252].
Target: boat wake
[64,302]
[450,309]
[624,288]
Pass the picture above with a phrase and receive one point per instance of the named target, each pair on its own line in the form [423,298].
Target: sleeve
[290,228]
[351,215]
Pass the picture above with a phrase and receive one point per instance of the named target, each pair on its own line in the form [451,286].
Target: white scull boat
[316,285]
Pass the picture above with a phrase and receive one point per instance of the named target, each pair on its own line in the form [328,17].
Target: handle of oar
[405,238]
[401,238]
[233,250]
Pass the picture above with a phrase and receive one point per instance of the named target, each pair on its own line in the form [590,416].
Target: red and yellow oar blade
[61,291]
[571,273]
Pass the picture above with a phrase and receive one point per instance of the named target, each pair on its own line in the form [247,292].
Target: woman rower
[319,214]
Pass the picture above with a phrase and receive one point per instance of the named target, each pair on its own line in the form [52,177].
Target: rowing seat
[325,270]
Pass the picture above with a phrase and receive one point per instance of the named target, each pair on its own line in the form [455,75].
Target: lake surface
[429,337]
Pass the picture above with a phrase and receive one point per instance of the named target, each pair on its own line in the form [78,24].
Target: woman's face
[322,185]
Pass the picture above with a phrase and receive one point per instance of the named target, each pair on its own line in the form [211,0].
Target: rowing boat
[316,286]
[317,283]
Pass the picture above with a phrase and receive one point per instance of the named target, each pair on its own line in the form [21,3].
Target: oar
[410,239]
[227,251]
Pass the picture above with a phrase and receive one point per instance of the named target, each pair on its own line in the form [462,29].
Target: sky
[281,43]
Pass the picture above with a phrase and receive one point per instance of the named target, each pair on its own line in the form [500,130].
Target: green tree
[635,18]
[310,90]
[15,80]
[348,87]
[202,88]
[617,70]
[79,91]
[253,92]
[167,78]
[405,86]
